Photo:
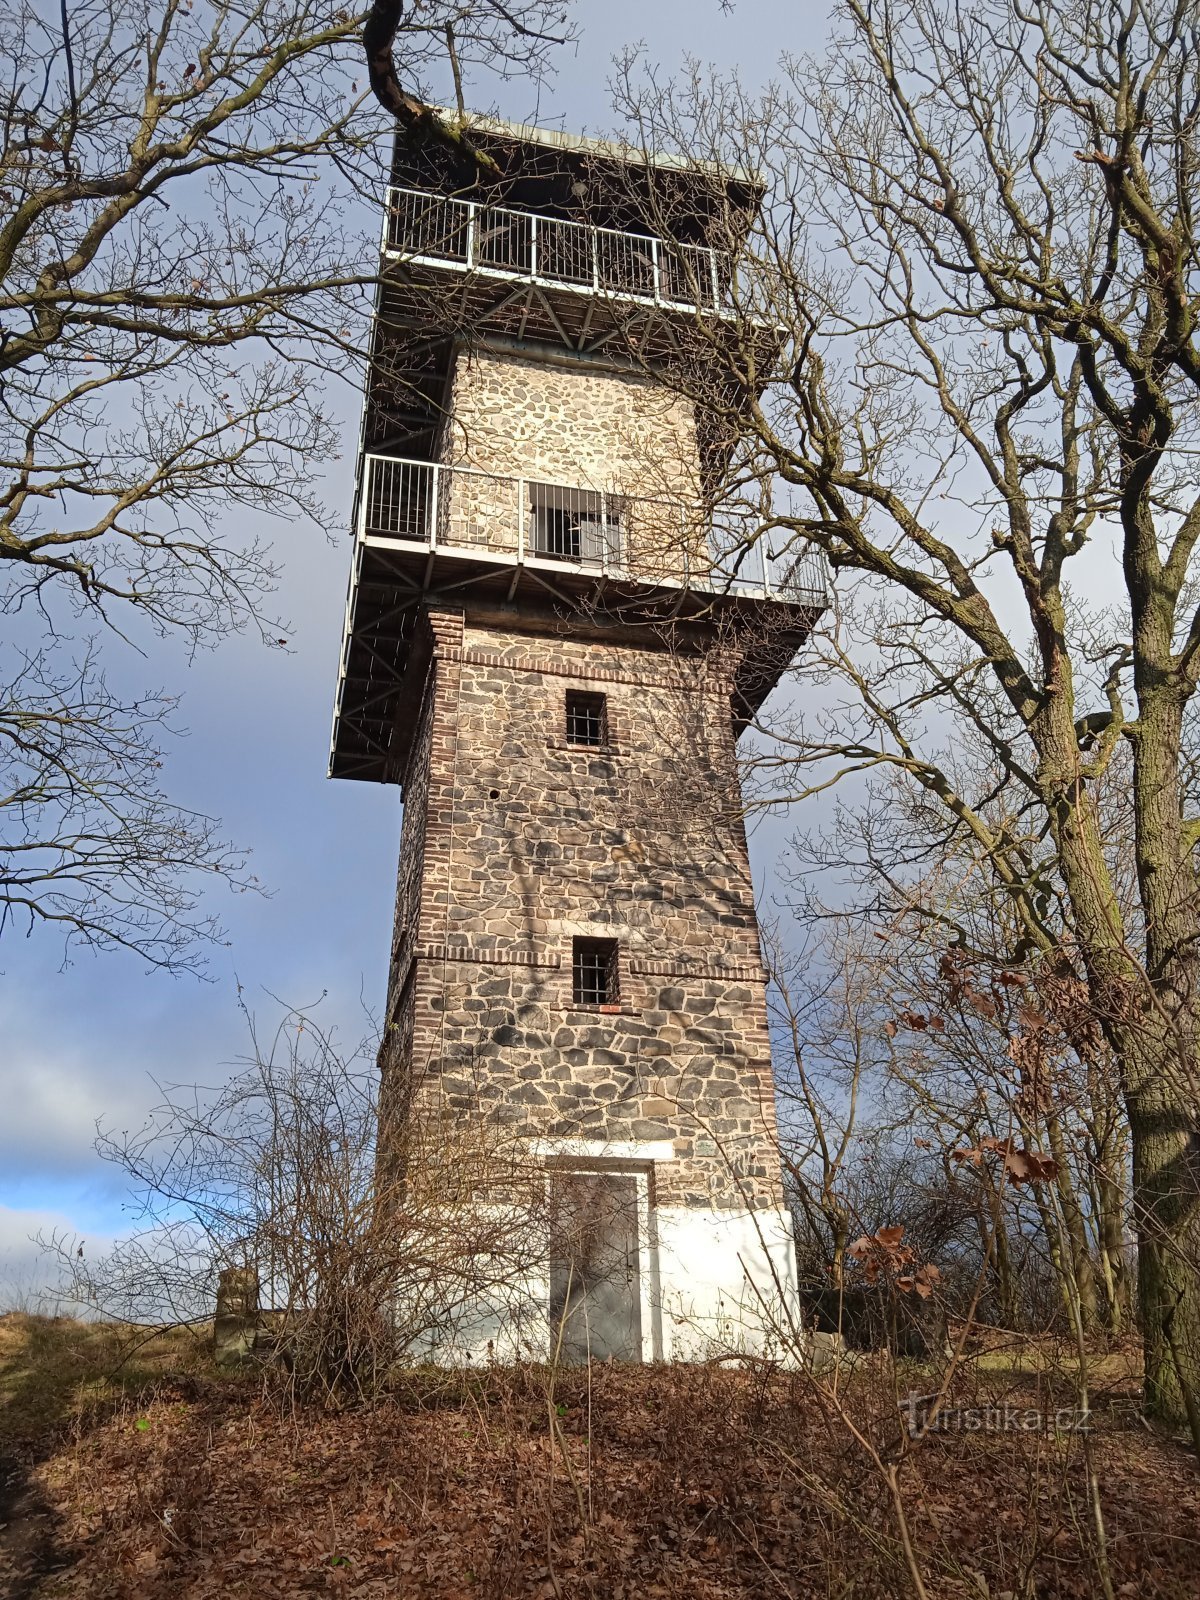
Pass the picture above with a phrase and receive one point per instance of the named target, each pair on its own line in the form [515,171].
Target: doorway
[595,1271]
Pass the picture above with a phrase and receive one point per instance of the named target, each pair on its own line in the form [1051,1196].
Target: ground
[160,1478]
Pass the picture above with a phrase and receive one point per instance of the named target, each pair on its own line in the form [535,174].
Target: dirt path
[29,1549]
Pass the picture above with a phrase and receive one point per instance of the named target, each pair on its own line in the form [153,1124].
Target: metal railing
[468,236]
[466,509]
[802,576]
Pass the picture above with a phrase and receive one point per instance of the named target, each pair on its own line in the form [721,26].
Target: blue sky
[85,1042]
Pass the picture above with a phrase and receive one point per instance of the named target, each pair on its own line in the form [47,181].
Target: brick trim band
[569,669]
[677,969]
[487,958]
[637,968]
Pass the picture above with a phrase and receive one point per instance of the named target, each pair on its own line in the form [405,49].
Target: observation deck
[521,246]
[550,277]
[428,533]
[565,243]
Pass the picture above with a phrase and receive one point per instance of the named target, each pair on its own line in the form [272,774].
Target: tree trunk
[1149,1018]
[1105,1158]
[839,1229]
[1161,1039]
[1167,1218]
[1007,1299]
[1112,1248]
[1077,1241]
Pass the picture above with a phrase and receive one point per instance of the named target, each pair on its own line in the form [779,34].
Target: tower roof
[581,178]
[617,151]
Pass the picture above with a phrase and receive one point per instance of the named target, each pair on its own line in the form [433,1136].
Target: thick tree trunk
[1167,1218]
[1162,1048]
[1149,1017]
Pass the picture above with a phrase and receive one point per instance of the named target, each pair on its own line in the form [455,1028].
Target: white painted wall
[727,1283]
[713,1282]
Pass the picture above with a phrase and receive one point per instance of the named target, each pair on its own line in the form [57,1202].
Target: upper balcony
[468,236]
[558,240]
[428,533]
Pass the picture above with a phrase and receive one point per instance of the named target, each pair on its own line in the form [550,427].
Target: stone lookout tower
[550,654]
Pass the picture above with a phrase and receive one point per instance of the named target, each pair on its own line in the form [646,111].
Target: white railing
[801,576]
[529,520]
[468,236]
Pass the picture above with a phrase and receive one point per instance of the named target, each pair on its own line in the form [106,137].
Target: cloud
[29,1276]
[57,1083]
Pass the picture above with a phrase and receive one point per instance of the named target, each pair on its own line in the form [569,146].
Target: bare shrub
[362,1264]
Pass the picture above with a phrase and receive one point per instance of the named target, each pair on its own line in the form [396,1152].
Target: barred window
[587,718]
[581,525]
[594,972]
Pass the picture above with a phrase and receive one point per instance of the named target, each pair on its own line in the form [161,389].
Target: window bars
[587,718]
[568,524]
[594,974]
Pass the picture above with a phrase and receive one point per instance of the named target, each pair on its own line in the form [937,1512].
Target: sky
[86,1042]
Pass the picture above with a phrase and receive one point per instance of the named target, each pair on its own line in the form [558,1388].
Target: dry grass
[1114,1364]
[56,1371]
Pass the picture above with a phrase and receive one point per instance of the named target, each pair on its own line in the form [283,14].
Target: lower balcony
[430,535]
[525,521]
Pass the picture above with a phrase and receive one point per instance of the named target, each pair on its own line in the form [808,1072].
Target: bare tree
[183,268]
[89,843]
[985,1038]
[965,363]
[829,1049]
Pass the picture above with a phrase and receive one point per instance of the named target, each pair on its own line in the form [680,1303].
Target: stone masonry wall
[600,429]
[412,832]
[528,842]
[579,427]
[432,756]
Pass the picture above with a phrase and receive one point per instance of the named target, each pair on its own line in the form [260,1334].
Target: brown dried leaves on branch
[1019,1165]
[882,1257]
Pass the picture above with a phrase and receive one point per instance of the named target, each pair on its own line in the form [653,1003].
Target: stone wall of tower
[527,842]
[579,425]
[432,758]
[570,423]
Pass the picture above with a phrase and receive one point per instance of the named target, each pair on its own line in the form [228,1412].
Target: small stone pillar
[236,1321]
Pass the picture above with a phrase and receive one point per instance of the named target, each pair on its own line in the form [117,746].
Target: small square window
[587,718]
[594,972]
